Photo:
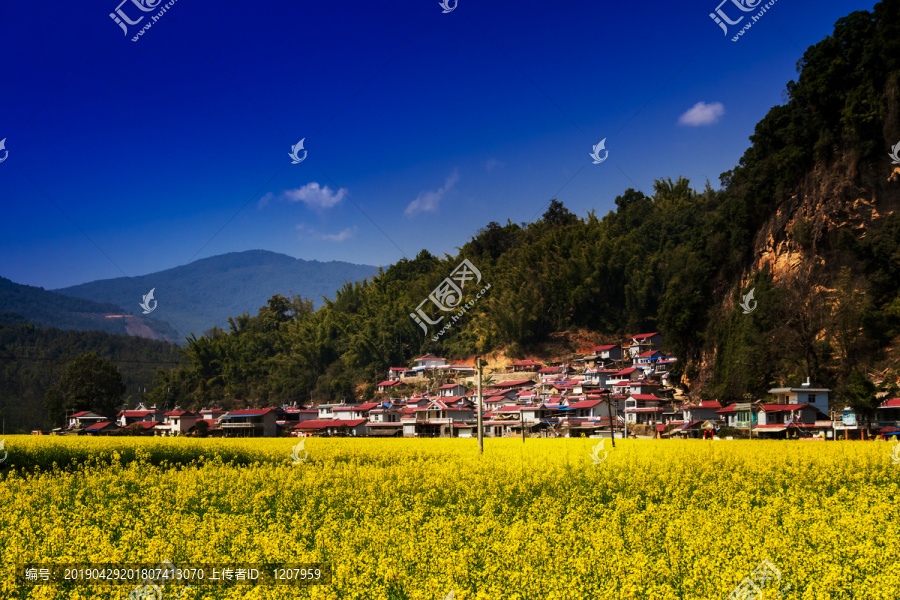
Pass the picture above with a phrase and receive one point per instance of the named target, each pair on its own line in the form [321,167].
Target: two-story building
[806,393]
[252,422]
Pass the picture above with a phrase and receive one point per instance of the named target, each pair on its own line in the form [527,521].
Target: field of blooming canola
[418,519]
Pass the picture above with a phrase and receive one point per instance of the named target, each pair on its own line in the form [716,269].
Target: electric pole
[480,409]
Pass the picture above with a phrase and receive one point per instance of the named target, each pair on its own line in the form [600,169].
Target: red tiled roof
[646,409]
[448,386]
[325,423]
[645,397]
[80,414]
[648,353]
[627,371]
[180,413]
[784,407]
[250,412]
[429,357]
[390,383]
[586,404]
[398,369]
[506,384]
[603,347]
[892,403]
[135,413]
[707,404]
[100,425]
[642,336]
[728,409]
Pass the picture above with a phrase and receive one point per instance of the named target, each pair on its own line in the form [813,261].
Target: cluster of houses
[613,389]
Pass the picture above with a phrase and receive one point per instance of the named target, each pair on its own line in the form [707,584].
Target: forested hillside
[26,303]
[32,358]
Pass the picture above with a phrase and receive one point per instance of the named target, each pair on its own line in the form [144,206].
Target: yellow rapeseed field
[419,519]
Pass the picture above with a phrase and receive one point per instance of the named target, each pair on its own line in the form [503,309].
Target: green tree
[88,383]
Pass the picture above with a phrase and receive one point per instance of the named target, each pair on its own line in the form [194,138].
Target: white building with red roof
[84,418]
[429,362]
[645,341]
[644,409]
[178,421]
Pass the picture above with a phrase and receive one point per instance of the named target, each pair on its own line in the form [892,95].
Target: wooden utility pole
[522,423]
[480,418]
[612,432]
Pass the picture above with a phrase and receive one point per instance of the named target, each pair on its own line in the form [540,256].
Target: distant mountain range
[195,297]
[25,303]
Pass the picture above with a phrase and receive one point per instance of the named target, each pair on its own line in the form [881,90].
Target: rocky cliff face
[801,238]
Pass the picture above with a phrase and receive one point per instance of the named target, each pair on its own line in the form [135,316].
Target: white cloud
[312,194]
[702,114]
[311,233]
[429,200]
[340,237]
[491,164]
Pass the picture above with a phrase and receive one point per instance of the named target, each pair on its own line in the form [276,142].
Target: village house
[608,352]
[780,418]
[647,358]
[429,362]
[390,385]
[451,389]
[644,409]
[440,418]
[331,427]
[888,417]
[385,420]
[177,422]
[141,413]
[806,393]
[84,419]
[397,373]
[631,373]
[704,411]
[252,422]
[326,411]
[525,366]
[644,341]
[348,412]
[101,428]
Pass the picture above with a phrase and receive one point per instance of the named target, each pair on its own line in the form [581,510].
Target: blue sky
[127,158]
